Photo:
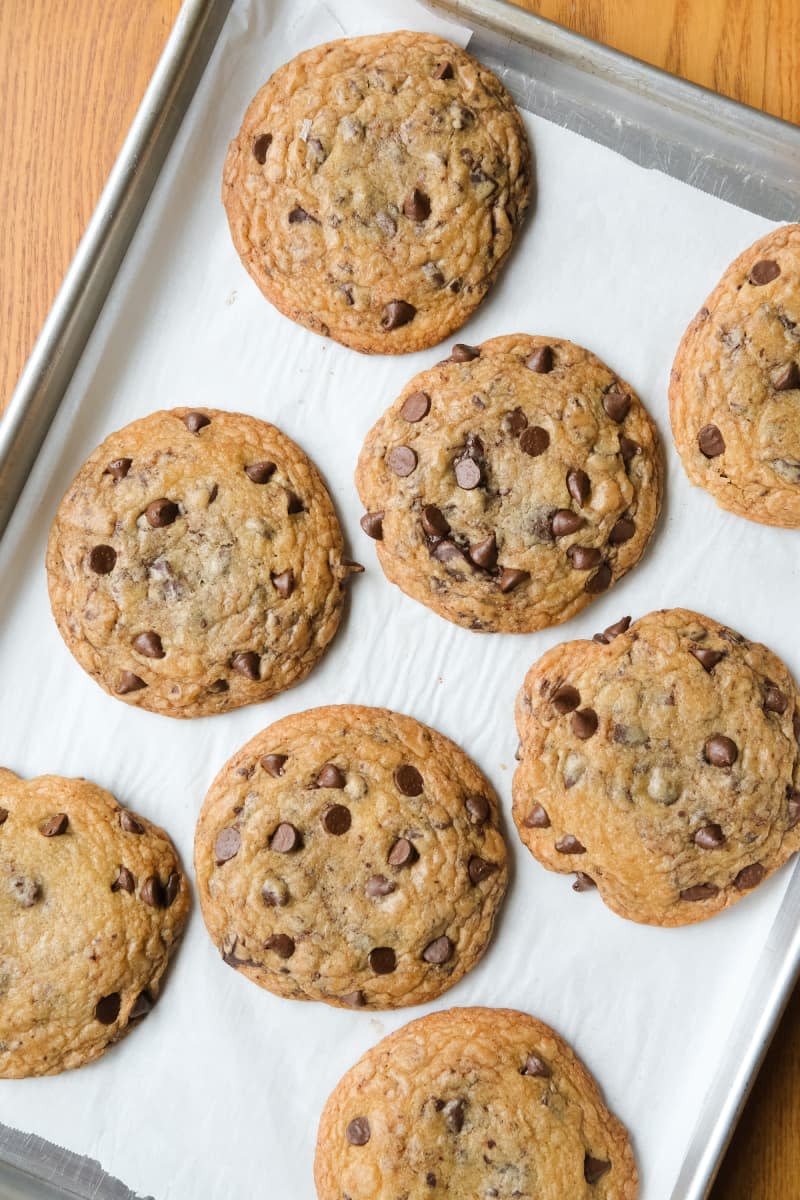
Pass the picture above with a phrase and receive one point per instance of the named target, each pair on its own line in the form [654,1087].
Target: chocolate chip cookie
[511,484]
[351,855]
[735,386]
[661,762]
[375,188]
[472,1102]
[195,564]
[92,903]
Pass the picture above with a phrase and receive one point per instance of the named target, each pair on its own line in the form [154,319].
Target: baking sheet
[218,1092]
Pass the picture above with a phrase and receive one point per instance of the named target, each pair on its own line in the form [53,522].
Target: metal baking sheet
[653,119]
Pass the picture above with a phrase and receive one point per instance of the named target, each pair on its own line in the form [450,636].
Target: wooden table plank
[71,76]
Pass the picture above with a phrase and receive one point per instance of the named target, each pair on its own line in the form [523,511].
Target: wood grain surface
[72,73]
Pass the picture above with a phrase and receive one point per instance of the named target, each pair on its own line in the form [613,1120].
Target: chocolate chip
[281,943]
[118,468]
[700,891]
[161,513]
[534,440]
[247,663]
[484,554]
[417,206]
[536,1067]
[537,818]
[434,522]
[599,581]
[510,578]
[796,726]
[379,885]
[792,808]
[622,531]
[260,147]
[478,809]
[584,723]
[358,1131]
[541,361]
[149,644]
[102,559]
[578,486]
[372,524]
[408,780]
[260,472]
[330,777]
[124,881]
[415,407]
[583,558]
[565,522]
[720,751]
[3,815]
[227,845]
[710,837]
[284,583]
[219,685]
[463,353]
[708,659]
[107,1009]
[565,699]
[142,1005]
[468,473]
[273,764]
[711,441]
[583,882]
[514,422]
[619,627]
[774,700]
[172,889]
[446,551]
[382,960]
[594,1168]
[479,869]
[628,448]
[763,272]
[128,682]
[617,405]
[787,378]
[285,839]
[443,71]
[129,823]
[401,460]
[402,853]
[439,951]
[569,845]
[454,1115]
[397,313]
[749,877]
[430,1179]
[152,892]
[294,504]
[336,819]
[54,826]
[298,215]
[195,421]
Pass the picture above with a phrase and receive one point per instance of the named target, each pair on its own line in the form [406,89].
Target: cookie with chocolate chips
[375,188]
[351,855]
[511,484]
[196,563]
[93,902]
[735,386]
[472,1102]
[660,762]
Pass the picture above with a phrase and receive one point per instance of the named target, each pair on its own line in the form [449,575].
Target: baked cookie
[92,903]
[351,855]
[660,761]
[472,1102]
[735,386]
[511,484]
[195,563]
[375,188]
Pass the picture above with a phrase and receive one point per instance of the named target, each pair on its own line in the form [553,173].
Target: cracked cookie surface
[472,1102]
[511,484]
[661,763]
[375,188]
[351,855]
[735,385]
[195,563]
[92,903]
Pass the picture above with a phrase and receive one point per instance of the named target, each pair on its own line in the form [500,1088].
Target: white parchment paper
[218,1093]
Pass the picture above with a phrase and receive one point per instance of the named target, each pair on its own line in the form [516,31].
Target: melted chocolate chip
[281,944]
[402,853]
[273,764]
[454,1114]
[622,531]
[514,422]
[439,951]
[3,815]
[397,313]
[379,885]
[149,644]
[142,1005]
[152,892]
[285,839]
[763,272]
[478,809]
[107,1009]
[484,554]
[382,960]
[511,577]
[102,559]
[708,659]
[578,486]
[284,583]
[294,504]
[584,558]
[463,353]
[401,460]
[535,1066]
[128,682]
[247,663]
[129,823]
[358,1131]
[260,147]
[415,407]
[443,71]
[720,751]
[468,473]
[628,448]
[479,869]
[118,468]
[700,891]
[336,819]
[565,699]
[260,472]
[749,877]
[434,522]
[617,405]
[619,627]
[787,378]
[541,361]
[372,524]
[54,826]
[172,889]
[565,522]
[124,881]
[537,818]
[195,421]
[161,513]
[599,581]
[534,440]
[594,1168]
[330,777]
[227,845]
[354,999]
[710,837]
[710,441]
[417,206]
[584,723]
[583,882]
[774,700]
[568,844]
[298,215]
[408,780]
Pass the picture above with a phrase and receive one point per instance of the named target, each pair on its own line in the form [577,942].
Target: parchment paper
[218,1093]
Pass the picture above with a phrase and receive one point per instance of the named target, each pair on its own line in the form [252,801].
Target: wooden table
[72,73]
